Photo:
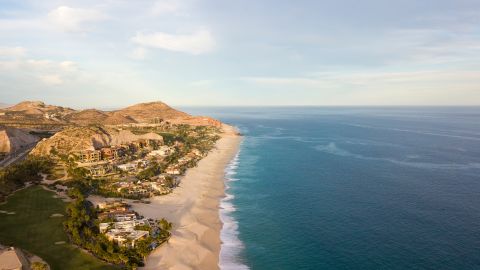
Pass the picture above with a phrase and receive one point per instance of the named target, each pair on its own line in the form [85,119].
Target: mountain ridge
[142,113]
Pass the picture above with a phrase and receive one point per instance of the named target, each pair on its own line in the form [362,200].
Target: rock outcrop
[12,139]
[75,139]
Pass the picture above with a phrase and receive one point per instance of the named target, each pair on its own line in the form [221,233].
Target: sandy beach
[193,207]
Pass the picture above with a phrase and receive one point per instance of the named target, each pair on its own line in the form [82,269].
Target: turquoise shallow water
[353,188]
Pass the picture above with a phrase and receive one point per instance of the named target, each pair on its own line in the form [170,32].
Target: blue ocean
[352,188]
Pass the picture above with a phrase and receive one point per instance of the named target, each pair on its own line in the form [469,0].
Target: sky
[115,53]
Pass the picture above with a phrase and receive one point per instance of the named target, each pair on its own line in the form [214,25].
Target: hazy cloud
[12,52]
[51,79]
[138,53]
[73,19]
[197,43]
[162,7]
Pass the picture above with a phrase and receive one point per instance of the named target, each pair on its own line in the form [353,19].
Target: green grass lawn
[31,228]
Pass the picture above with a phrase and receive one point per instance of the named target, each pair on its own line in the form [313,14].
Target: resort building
[107,153]
[123,231]
[173,171]
[100,170]
[126,238]
[90,156]
[134,165]
[163,151]
[127,167]
[116,205]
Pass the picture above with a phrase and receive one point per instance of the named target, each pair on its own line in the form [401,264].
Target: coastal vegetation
[82,226]
[132,153]
[140,169]
[15,176]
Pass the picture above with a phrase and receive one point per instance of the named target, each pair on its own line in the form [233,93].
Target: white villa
[123,231]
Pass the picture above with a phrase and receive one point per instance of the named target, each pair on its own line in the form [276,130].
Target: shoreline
[194,209]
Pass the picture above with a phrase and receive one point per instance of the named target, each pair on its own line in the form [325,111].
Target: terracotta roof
[10,259]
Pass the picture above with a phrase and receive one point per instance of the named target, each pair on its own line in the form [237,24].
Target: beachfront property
[123,230]
[134,188]
[116,205]
[134,166]
[126,238]
[163,151]
[173,170]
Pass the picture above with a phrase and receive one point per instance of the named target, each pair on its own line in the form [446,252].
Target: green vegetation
[15,176]
[39,266]
[101,186]
[82,228]
[151,171]
[33,229]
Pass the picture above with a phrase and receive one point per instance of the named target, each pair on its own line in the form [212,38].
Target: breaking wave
[231,244]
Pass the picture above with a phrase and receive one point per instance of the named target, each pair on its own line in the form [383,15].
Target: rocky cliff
[75,139]
[12,139]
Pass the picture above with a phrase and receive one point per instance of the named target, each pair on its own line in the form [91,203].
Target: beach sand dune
[193,208]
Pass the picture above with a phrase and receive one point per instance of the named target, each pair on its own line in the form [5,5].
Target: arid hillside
[146,112]
[75,139]
[36,113]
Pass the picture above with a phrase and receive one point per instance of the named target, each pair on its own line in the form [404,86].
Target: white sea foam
[231,244]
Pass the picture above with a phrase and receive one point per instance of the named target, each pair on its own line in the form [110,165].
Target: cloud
[139,53]
[197,43]
[51,79]
[68,66]
[72,19]
[49,72]
[162,7]
[12,52]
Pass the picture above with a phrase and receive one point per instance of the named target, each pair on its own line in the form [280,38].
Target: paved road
[17,155]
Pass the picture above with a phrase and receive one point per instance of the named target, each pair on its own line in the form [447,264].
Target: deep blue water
[357,188]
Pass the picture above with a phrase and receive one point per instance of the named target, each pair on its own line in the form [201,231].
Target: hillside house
[162,151]
[100,170]
[90,156]
[173,171]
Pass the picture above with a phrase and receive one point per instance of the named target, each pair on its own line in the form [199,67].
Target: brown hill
[117,118]
[85,117]
[33,113]
[36,113]
[75,139]
[147,112]
[38,108]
